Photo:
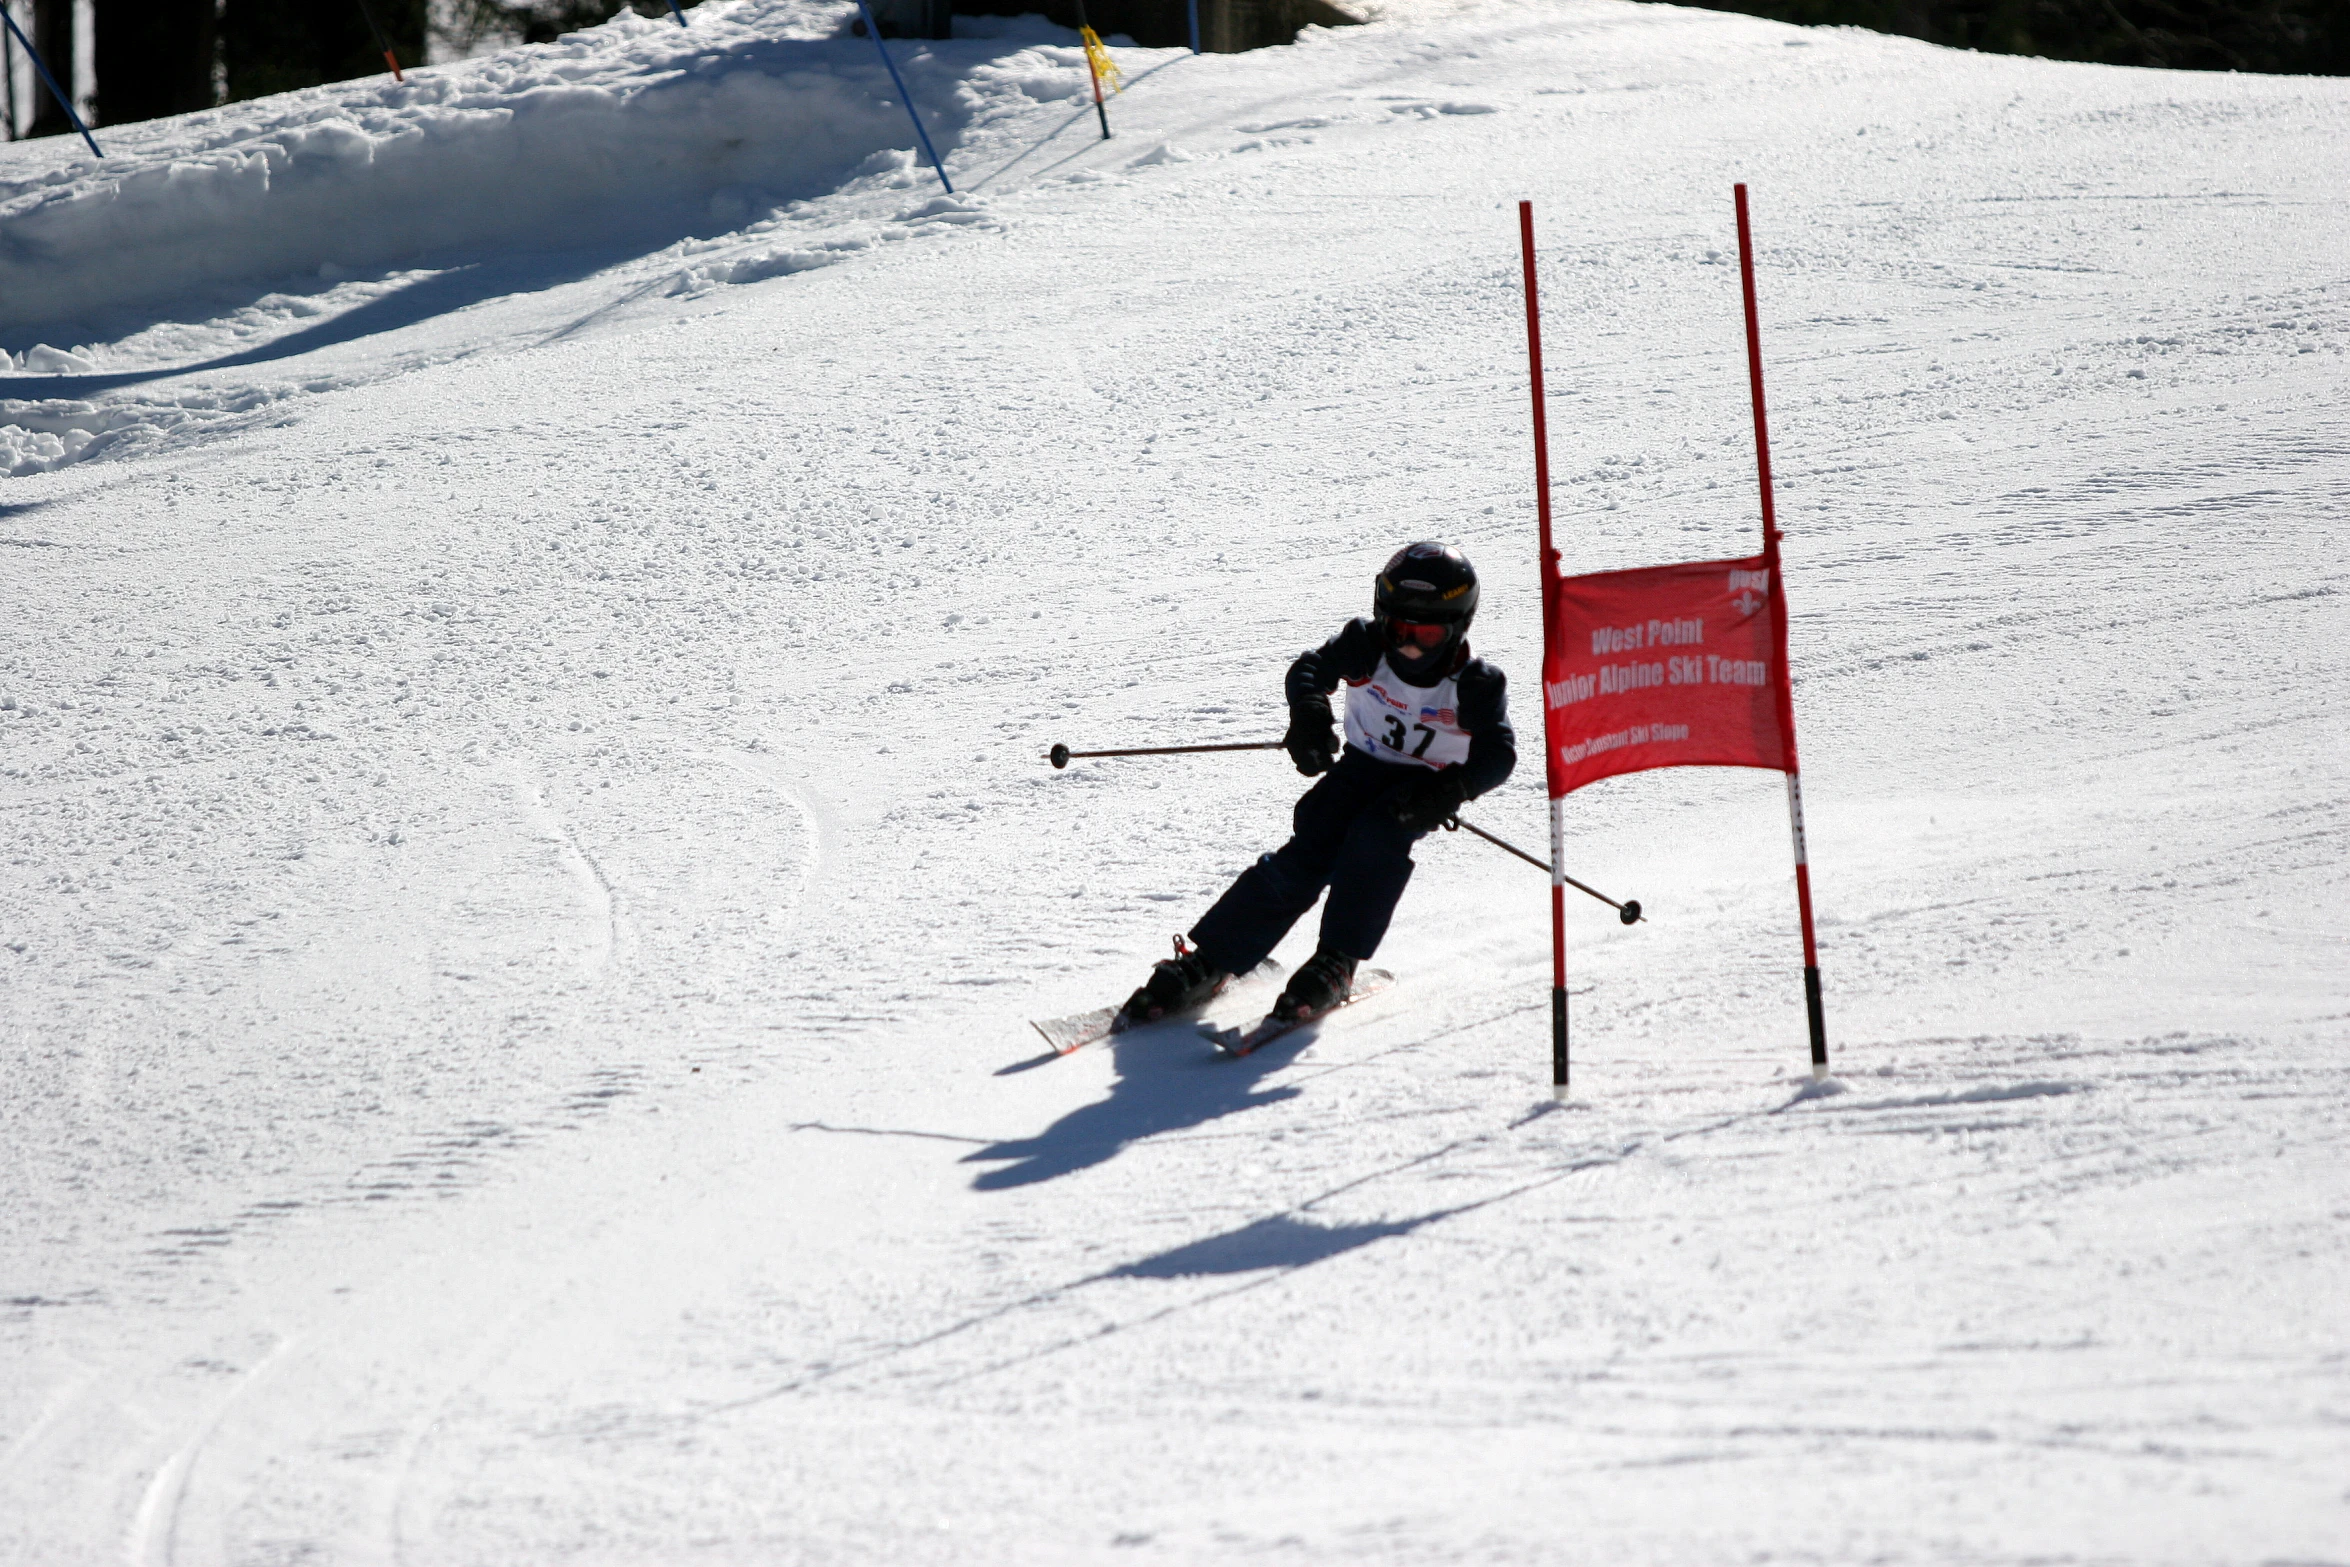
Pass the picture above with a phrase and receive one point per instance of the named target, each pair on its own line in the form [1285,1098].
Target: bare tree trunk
[8,74]
[53,36]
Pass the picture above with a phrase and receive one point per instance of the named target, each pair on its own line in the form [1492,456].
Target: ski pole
[1628,911]
[1061,755]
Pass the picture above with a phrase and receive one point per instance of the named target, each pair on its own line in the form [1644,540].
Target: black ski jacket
[1354,654]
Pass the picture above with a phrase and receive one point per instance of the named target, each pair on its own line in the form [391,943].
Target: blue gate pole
[64,100]
[674,11]
[904,96]
[1193,7]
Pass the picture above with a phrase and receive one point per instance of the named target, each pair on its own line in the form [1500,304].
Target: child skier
[1427,727]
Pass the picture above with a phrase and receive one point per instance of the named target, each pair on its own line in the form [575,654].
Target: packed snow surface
[535,606]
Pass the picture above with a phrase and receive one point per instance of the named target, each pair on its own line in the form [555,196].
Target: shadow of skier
[1283,1240]
[1168,1081]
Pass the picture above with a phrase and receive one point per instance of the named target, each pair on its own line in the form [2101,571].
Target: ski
[1068,1035]
[1235,1043]
[1074,1032]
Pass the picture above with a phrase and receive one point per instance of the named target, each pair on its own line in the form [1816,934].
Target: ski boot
[1177,984]
[1314,989]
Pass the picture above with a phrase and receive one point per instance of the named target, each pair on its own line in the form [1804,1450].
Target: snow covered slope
[529,849]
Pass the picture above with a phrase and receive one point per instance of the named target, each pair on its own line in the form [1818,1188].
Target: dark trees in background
[154,57]
[53,36]
[1225,26]
[541,21]
[269,46]
[2294,37]
[159,57]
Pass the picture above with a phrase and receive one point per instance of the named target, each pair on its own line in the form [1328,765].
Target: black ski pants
[1345,840]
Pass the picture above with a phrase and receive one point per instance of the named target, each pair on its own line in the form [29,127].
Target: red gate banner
[1667,666]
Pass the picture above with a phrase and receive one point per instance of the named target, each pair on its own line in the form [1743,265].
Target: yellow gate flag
[1105,69]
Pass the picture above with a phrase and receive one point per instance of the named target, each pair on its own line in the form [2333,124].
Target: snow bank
[634,129]
[37,436]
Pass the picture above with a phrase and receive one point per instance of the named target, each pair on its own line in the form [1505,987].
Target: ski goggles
[1419,633]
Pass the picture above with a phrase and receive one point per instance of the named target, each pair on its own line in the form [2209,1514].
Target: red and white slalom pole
[1786,692]
[1550,579]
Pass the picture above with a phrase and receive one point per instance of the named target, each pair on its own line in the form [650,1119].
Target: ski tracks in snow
[642,920]
[156,1527]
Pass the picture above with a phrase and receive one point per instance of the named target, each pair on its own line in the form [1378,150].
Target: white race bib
[1399,723]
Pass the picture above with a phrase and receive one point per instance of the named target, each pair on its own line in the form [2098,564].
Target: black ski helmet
[1428,583]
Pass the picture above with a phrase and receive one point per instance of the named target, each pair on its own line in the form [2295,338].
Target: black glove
[1427,802]
[1312,741]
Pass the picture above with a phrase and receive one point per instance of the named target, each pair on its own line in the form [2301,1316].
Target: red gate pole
[1550,582]
[383,45]
[1786,690]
